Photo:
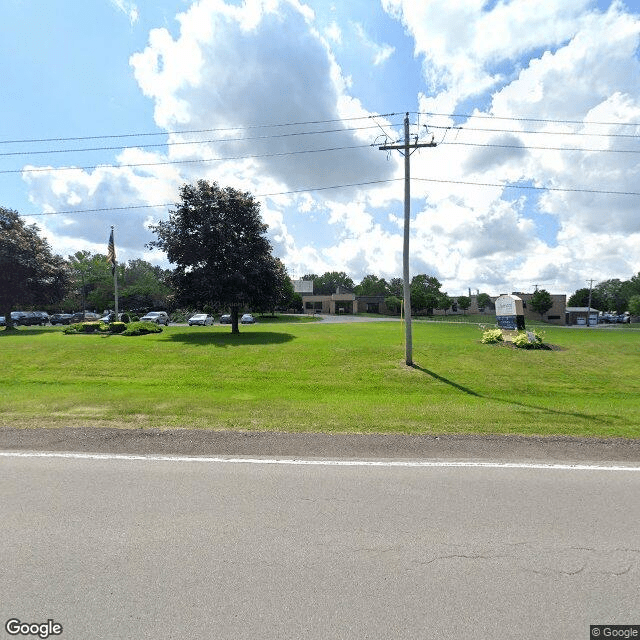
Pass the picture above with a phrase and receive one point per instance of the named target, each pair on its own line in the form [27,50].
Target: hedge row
[131,329]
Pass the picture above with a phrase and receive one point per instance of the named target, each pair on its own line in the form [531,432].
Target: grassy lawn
[324,377]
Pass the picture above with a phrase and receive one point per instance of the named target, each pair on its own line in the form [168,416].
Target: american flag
[111,254]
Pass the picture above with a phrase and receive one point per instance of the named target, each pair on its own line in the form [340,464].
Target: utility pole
[589,307]
[406,150]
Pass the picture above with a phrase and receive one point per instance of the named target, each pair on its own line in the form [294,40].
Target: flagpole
[115,275]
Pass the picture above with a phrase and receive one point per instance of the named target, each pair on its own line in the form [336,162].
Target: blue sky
[289,99]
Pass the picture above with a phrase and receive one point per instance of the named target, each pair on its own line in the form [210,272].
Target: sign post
[510,315]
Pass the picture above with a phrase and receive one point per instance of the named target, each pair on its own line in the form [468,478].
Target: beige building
[344,301]
[555,315]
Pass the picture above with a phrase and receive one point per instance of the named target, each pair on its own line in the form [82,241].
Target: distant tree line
[216,238]
[426,293]
[610,295]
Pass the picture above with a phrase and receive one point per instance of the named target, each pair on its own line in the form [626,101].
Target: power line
[355,184]
[186,131]
[311,122]
[530,187]
[545,133]
[195,161]
[184,142]
[303,151]
[535,148]
[173,204]
[525,119]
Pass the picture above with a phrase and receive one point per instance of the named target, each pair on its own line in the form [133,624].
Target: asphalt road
[161,547]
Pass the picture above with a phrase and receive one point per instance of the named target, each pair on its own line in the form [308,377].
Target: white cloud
[463,43]
[261,63]
[128,8]
[381,52]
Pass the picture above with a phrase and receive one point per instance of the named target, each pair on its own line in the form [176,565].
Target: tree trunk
[234,320]
[7,318]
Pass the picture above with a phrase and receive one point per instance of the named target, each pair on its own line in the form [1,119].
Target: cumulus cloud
[499,151]
[260,82]
[259,64]
[581,67]
[463,43]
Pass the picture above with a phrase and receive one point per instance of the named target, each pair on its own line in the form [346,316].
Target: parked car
[23,318]
[247,318]
[42,316]
[225,319]
[159,317]
[202,319]
[87,316]
[60,318]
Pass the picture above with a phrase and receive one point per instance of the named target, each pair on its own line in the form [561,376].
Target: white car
[159,317]
[247,318]
[202,319]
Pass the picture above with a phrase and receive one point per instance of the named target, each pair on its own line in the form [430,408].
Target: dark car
[87,316]
[42,317]
[60,318]
[21,318]
[225,319]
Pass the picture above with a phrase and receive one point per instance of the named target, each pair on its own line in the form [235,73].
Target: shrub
[491,336]
[141,328]
[528,340]
[124,317]
[86,327]
[74,328]
[117,327]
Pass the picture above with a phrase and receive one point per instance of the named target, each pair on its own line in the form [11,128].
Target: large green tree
[396,287]
[634,305]
[425,293]
[92,282]
[541,302]
[614,295]
[327,283]
[216,238]
[464,302]
[30,273]
[144,286]
[483,301]
[371,285]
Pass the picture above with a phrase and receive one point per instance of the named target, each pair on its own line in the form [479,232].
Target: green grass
[324,377]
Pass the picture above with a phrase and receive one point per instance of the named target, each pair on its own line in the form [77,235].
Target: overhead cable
[187,131]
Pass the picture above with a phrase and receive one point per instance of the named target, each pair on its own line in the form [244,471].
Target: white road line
[320,462]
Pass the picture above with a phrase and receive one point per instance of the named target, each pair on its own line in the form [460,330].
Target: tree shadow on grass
[574,414]
[27,331]
[224,340]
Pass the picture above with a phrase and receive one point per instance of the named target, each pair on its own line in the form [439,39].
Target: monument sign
[510,313]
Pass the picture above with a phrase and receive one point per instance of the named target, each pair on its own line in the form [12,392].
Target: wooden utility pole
[589,307]
[406,150]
